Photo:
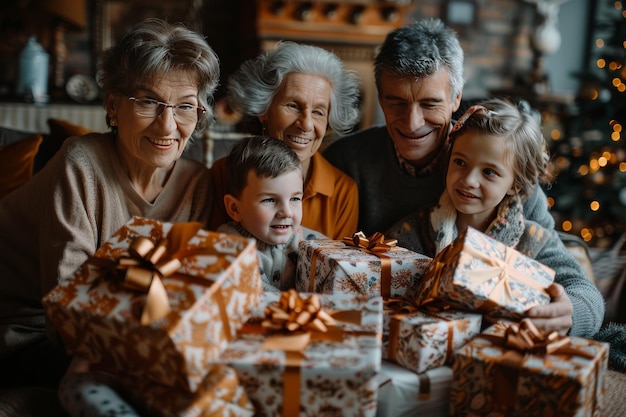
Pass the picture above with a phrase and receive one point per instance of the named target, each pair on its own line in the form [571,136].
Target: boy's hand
[554,316]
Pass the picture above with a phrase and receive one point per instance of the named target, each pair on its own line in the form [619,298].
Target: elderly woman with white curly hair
[296,93]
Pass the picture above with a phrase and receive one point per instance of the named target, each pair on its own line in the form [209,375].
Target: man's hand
[554,316]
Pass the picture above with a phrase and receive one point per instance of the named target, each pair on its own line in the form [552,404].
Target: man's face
[417,113]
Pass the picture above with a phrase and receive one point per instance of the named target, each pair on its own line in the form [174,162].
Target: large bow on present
[375,243]
[147,263]
[293,322]
[521,339]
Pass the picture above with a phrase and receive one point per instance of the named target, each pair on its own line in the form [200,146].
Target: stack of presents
[177,314]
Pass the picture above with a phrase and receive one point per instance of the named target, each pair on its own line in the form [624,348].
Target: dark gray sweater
[387,193]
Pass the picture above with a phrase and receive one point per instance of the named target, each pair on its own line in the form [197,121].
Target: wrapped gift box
[333,374]
[403,393]
[218,395]
[492,378]
[478,273]
[423,340]
[209,298]
[332,267]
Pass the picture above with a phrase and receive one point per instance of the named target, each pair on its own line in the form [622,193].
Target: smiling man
[400,167]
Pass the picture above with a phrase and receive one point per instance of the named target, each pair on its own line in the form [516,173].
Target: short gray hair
[151,49]
[252,87]
[420,49]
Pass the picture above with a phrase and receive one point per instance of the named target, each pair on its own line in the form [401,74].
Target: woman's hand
[554,316]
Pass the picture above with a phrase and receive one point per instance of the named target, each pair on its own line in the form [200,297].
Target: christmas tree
[588,192]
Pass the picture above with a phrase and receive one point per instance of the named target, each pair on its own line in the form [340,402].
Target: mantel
[30,117]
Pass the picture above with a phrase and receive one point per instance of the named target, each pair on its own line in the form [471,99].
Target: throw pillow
[59,131]
[16,163]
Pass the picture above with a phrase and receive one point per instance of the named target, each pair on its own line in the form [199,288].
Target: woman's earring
[113,124]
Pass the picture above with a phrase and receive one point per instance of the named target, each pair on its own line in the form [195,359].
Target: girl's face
[479,177]
[154,142]
[269,208]
[299,112]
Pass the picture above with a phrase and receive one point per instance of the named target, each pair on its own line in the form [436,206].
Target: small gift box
[218,395]
[163,311]
[478,273]
[313,355]
[422,338]
[516,370]
[403,393]
[358,265]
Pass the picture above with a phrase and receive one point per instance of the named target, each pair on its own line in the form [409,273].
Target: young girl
[264,199]
[497,156]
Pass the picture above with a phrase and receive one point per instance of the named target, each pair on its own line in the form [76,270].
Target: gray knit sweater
[276,262]
[387,193]
[431,229]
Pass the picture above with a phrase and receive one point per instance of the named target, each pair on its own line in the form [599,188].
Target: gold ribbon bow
[293,322]
[520,340]
[375,243]
[148,263]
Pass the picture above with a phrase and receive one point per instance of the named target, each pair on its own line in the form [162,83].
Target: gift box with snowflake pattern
[172,329]
[330,373]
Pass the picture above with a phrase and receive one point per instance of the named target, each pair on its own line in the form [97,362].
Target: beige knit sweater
[52,224]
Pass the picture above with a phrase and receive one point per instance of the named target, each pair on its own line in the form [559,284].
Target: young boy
[497,157]
[264,199]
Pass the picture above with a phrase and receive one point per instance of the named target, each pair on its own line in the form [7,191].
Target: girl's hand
[554,316]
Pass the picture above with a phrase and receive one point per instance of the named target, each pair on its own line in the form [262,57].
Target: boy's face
[269,208]
[479,176]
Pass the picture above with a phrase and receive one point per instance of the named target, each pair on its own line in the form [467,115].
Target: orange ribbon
[375,245]
[401,308]
[500,269]
[523,339]
[148,263]
[295,321]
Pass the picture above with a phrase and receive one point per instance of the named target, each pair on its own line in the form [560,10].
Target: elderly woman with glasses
[157,82]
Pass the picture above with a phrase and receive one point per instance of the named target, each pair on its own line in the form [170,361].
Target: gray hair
[420,49]
[151,49]
[252,87]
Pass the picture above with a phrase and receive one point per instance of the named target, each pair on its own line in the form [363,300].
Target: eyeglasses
[186,114]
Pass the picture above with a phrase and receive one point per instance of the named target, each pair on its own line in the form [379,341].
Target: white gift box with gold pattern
[197,306]
[335,373]
[423,340]
[332,267]
[478,273]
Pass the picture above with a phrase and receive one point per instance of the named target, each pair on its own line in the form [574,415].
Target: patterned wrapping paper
[403,393]
[210,297]
[478,273]
[337,378]
[218,395]
[490,379]
[342,269]
[423,340]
